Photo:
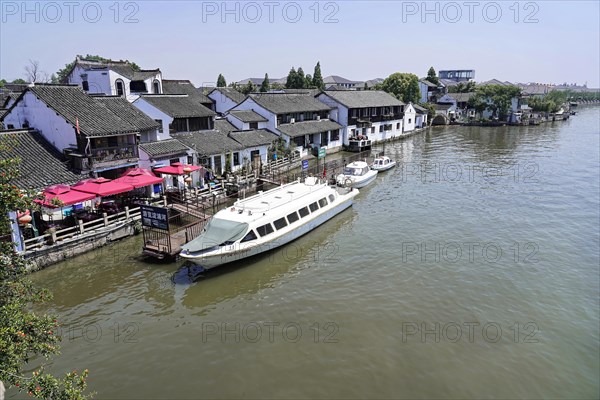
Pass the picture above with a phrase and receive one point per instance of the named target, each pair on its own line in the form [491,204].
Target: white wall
[222,102]
[409,118]
[250,104]
[54,128]
[155,113]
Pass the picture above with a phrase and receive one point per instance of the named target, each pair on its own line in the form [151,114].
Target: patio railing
[85,227]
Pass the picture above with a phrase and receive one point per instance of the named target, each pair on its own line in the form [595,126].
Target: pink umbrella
[139,177]
[177,169]
[102,187]
[64,194]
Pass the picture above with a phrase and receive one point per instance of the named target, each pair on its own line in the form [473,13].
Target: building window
[299,141]
[372,129]
[190,160]
[253,125]
[205,162]
[324,139]
[398,125]
[335,135]
[254,154]
[156,86]
[409,120]
[138,87]
[354,113]
[119,85]
[380,128]
[85,86]
[236,159]
[159,122]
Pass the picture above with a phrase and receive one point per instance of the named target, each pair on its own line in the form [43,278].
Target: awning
[138,177]
[64,194]
[102,187]
[176,169]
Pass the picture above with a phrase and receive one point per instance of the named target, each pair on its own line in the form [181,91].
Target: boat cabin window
[264,230]
[331,198]
[280,223]
[303,212]
[293,217]
[323,202]
[314,207]
[250,236]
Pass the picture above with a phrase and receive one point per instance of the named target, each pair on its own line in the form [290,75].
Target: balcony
[112,156]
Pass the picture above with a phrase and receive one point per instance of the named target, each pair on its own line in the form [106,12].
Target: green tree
[292,78]
[265,86]
[221,82]
[430,111]
[3,82]
[248,88]
[19,81]
[496,98]
[432,76]
[462,87]
[308,84]
[25,335]
[300,79]
[317,79]
[404,86]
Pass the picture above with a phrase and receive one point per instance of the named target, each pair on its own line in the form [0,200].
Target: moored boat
[383,163]
[356,175]
[267,220]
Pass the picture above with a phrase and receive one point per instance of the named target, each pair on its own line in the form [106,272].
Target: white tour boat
[356,175]
[265,221]
[383,163]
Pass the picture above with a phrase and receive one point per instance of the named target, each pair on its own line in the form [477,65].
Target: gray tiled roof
[163,148]
[123,109]
[281,103]
[95,118]
[178,106]
[308,92]
[41,165]
[230,93]
[184,87]
[461,97]
[207,143]
[364,98]
[429,84]
[222,125]
[338,79]
[308,127]
[248,116]
[254,138]
[419,109]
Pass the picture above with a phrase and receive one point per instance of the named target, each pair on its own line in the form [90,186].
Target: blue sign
[304,164]
[155,217]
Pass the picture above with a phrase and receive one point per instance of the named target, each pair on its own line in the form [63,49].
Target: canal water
[469,271]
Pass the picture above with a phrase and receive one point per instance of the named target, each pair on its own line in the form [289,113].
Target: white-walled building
[245,120]
[115,78]
[409,120]
[98,134]
[182,86]
[421,118]
[225,98]
[302,121]
[175,113]
[373,114]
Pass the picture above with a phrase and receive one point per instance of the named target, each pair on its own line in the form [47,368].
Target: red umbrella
[102,187]
[139,177]
[64,194]
[177,169]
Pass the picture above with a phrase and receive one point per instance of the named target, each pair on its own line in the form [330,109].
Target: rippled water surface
[470,271]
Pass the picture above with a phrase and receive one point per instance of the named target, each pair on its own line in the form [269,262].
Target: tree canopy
[317,78]
[432,76]
[404,86]
[25,335]
[265,86]
[221,82]
[495,98]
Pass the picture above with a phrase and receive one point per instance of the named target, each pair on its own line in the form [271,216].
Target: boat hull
[239,251]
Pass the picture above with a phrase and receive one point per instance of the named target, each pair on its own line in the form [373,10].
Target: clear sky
[535,41]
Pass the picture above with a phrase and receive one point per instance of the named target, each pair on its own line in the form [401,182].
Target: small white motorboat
[356,175]
[383,163]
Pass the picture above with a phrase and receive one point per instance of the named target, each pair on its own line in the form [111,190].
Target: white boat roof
[282,197]
[357,164]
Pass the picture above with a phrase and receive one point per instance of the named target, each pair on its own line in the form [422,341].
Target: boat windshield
[217,232]
[352,171]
